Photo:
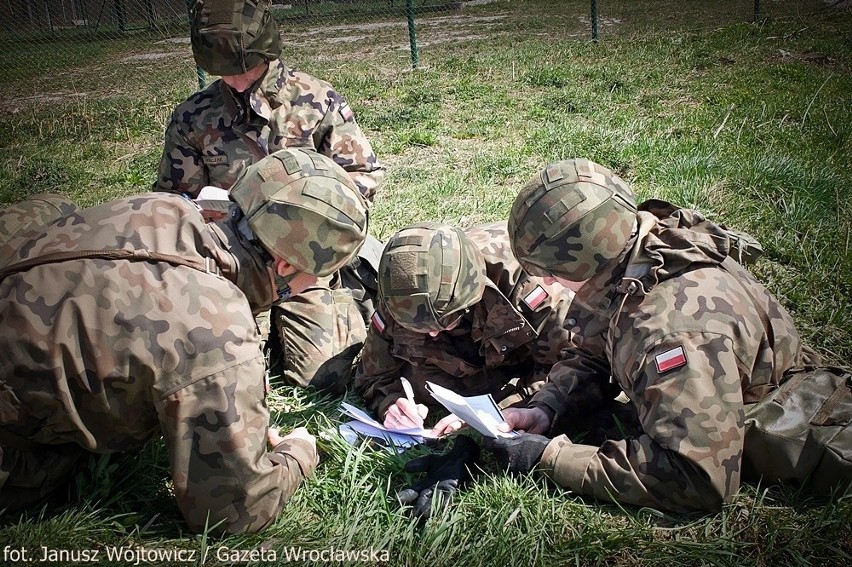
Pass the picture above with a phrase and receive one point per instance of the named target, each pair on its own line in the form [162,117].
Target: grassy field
[688,100]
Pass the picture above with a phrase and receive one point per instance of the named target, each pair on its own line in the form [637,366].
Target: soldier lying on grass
[456,309]
[134,319]
[668,316]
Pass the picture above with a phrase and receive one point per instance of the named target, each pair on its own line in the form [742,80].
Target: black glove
[517,454]
[445,474]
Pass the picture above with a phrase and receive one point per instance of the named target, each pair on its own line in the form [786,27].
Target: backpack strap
[843,390]
[206,265]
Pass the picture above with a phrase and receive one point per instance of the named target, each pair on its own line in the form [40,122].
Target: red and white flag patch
[671,359]
[535,298]
[378,323]
[346,112]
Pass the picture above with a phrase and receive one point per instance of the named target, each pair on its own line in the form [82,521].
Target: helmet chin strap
[282,283]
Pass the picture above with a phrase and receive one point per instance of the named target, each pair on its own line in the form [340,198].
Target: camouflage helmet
[429,274]
[231,37]
[571,219]
[304,208]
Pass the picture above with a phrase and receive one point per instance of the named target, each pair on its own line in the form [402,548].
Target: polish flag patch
[378,323]
[671,359]
[535,298]
[346,112]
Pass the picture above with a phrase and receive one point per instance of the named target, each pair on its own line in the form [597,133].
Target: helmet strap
[282,283]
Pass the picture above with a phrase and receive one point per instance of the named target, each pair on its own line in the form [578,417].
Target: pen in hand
[409,391]
[405,413]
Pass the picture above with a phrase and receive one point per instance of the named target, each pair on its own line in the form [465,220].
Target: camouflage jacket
[515,331]
[216,132]
[690,340]
[106,353]
[32,214]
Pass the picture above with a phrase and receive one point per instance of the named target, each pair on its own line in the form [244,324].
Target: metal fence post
[118,7]
[756,10]
[47,16]
[595,20]
[149,14]
[199,72]
[412,34]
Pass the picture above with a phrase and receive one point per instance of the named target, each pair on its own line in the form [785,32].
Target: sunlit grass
[689,101]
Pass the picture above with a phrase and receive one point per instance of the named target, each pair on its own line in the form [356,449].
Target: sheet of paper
[365,425]
[386,438]
[213,199]
[480,412]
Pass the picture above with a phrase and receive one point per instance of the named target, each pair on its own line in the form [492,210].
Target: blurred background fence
[63,30]
[41,35]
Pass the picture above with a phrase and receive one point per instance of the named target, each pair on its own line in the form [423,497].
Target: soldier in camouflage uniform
[257,107]
[134,319]
[455,308]
[667,316]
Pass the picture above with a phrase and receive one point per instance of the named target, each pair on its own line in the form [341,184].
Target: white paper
[213,199]
[480,412]
[365,425]
[387,438]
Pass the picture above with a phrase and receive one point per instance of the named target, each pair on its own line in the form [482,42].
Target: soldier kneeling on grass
[723,388]
[258,106]
[134,318]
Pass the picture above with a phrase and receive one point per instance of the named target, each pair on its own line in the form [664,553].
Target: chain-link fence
[27,19]
[63,47]
[47,34]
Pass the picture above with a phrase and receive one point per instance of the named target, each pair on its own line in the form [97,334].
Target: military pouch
[745,248]
[801,432]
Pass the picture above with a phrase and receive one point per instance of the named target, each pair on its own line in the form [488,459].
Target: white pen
[409,391]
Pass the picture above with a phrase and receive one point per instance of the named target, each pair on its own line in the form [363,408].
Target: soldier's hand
[404,414]
[213,216]
[302,433]
[273,435]
[518,454]
[445,474]
[275,438]
[447,425]
[529,420]
[300,445]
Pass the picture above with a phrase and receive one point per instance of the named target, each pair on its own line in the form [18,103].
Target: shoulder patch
[378,322]
[671,359]
[536,297]
[346,111]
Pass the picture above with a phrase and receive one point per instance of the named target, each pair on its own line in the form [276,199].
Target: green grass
[689,101]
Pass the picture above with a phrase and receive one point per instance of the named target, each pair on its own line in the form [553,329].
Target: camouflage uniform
[101,354]
[691,338]
[217,132]
[32,214]
[503,346]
